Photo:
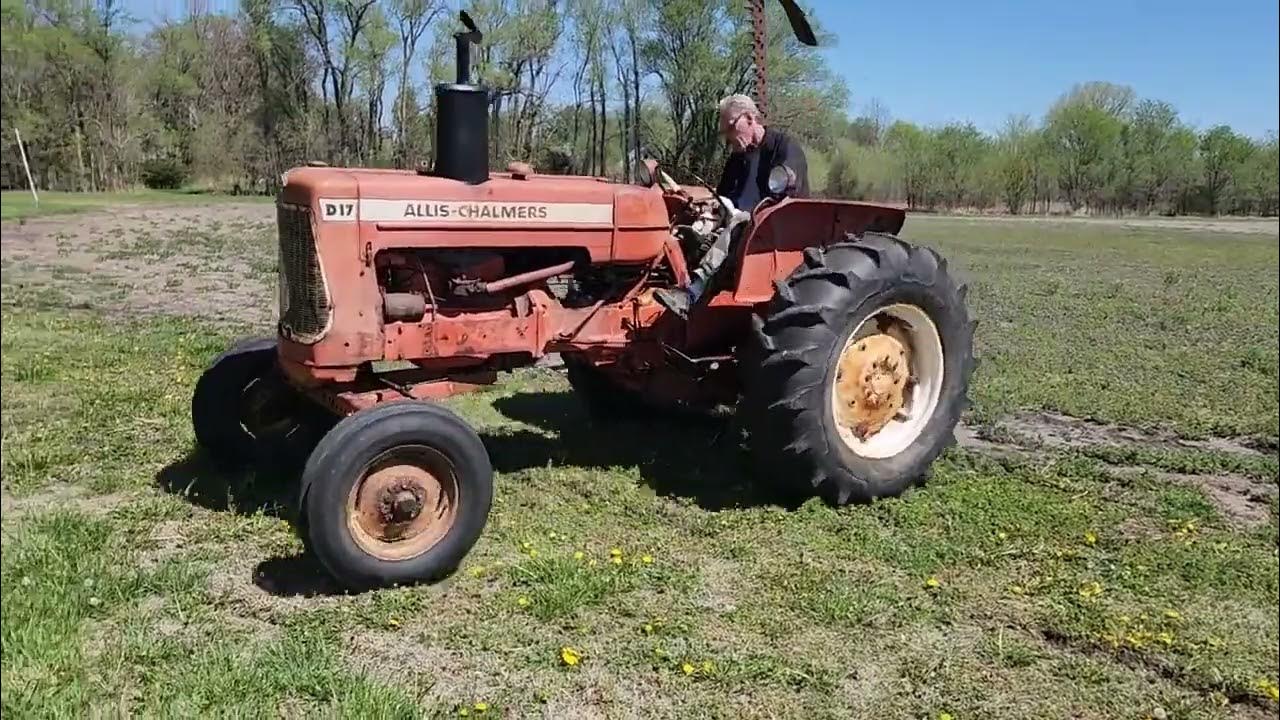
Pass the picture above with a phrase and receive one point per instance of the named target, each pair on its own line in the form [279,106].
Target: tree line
[1099,149]
[229,100]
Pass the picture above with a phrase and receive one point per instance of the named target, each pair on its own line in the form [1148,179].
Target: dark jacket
[746,174]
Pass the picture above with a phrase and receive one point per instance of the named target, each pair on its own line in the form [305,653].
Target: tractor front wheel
[396,494]
[243,411]
[861,370]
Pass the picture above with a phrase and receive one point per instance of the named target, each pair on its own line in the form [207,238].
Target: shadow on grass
[677,455]
[270,488]
[299,575]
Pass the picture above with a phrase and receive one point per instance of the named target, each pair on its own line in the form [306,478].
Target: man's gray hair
[736,105]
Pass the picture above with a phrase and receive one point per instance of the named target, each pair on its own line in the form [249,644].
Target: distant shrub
[164,173]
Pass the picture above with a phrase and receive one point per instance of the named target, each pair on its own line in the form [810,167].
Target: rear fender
[774,243]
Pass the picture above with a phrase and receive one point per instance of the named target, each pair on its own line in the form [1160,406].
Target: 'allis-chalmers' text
[475,211]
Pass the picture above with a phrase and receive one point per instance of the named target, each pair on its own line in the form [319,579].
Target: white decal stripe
[462,211]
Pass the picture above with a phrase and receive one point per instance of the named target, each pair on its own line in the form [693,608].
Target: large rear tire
[798,402]
[396,494]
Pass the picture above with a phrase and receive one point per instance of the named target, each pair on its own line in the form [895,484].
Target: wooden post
[26,166]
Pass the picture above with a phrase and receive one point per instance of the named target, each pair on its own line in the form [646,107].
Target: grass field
[18,204]
[1103,544]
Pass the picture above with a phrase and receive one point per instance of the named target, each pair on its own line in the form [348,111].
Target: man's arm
[792,155]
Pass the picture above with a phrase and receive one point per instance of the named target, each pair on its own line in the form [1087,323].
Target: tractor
[844,352]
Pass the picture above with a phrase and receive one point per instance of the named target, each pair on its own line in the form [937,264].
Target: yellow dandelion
[1002,535]
[463,712]
[523,601]
[481,706]
[707,667]
[526,545]
[648,629]
[687,668]
[551,535]
[477,571]
[945,716]
[616,561]
[533,553]
[579,555]
[1269,689]
[569,656]
[393,623]
[1173,614]
[616,552]
[1090,538]
[932,583]
[1166,638]
[647,559]
[1091,590]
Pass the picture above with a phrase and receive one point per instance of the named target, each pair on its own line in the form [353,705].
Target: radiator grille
[304,298]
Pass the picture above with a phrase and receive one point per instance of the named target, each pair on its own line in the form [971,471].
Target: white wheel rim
[926,365]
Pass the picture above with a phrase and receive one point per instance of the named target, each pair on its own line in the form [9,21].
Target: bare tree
[412,17]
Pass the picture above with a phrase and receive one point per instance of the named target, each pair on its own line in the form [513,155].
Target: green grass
[1144,326]
[18,204]
[139,581]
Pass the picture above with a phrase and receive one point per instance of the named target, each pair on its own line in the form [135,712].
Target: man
[754,151]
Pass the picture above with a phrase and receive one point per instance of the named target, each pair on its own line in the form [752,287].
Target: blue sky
[931,61]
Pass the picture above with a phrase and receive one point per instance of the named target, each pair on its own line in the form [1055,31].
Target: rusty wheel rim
[404,503]
[887,381]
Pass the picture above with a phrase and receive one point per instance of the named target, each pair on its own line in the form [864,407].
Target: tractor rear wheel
[243,411]
[396,494]
[859,370]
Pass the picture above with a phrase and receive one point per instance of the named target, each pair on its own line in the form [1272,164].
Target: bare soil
[1242,225]
[1241,500]
[213,262]
[1055,430]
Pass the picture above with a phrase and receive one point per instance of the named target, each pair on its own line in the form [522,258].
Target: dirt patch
[74,498]
[719,578]
[399,657]
[969,437]
[212,262]
[1241,501]
[1242,226]
[1055,430]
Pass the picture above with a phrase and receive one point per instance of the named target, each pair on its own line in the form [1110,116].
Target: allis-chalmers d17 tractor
[846,352]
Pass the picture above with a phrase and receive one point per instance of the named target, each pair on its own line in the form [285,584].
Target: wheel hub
[404,504]
[264,408]
[873,380]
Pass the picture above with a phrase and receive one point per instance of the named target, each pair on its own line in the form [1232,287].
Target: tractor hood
[388,197]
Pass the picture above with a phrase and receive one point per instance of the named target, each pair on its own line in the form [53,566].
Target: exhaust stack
[462,117]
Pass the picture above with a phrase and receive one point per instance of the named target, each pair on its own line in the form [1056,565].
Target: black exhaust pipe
[462,117]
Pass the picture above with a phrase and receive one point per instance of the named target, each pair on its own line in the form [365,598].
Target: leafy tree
[912,148]
[1084,142]
[1016,162]
[1224,155]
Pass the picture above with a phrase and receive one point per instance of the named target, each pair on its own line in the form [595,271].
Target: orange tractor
[846,351]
